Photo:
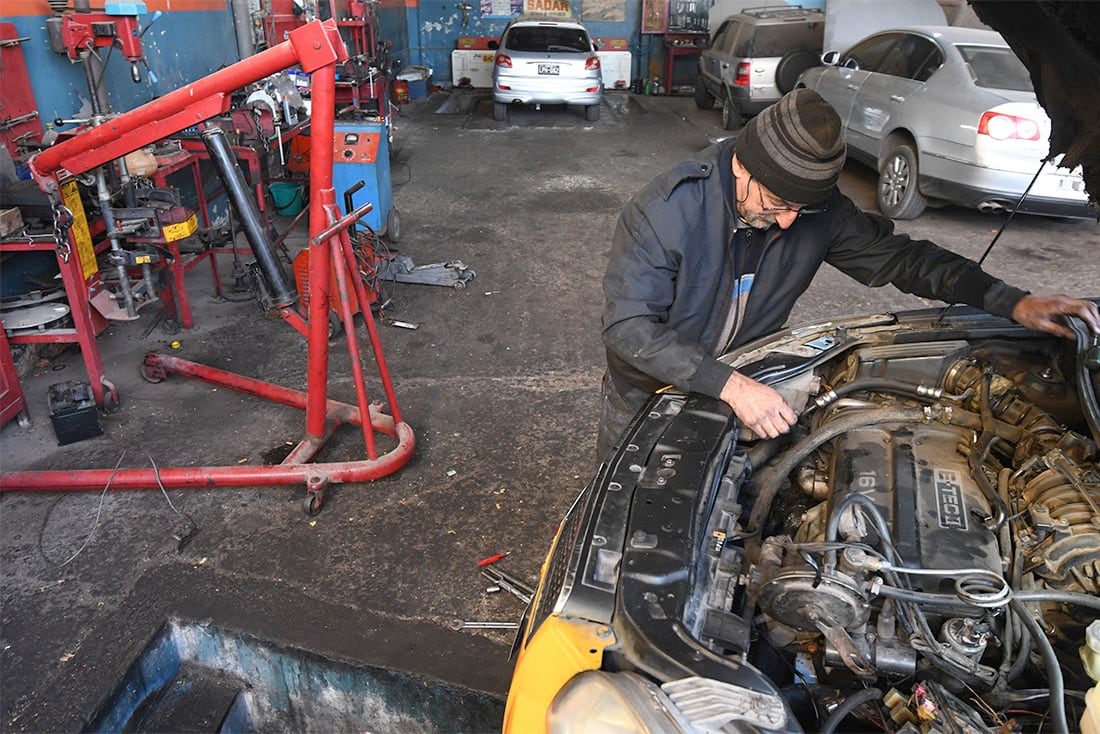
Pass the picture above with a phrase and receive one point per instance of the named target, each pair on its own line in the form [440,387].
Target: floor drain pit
[193,677]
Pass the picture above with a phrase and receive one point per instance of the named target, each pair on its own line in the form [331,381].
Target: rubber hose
[1090,401]
[1023,655]
[1050,663]
[1059,597]
[872,510]
[981,453]
[772,478]
[849,705]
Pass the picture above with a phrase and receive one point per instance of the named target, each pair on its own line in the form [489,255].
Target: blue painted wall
[436,25]
[180,47]
[393,26]
[185,45]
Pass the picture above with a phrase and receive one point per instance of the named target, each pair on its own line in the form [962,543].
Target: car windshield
[547,38]
[996,68]
[777,40]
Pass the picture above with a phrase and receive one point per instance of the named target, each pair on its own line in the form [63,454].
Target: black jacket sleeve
[865,246]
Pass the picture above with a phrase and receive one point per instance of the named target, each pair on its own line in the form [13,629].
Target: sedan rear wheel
[592,112]
[899,196]
[500,111]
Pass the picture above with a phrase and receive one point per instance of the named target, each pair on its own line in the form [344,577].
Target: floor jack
[317,48]
[361,170]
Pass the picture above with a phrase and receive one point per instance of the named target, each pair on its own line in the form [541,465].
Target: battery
[73,412]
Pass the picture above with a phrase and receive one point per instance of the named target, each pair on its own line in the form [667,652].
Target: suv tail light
[503,61]
[592,63]
[1000,126]
[741,78]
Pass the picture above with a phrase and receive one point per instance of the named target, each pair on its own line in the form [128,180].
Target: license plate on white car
[549,68]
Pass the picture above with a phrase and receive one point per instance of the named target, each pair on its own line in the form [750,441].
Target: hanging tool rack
[317,48]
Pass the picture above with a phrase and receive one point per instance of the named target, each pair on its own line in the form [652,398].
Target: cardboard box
[11,221]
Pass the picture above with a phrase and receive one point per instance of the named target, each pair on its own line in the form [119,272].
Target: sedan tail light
[741,78]
[504,61]
[592,63]
[1000,126]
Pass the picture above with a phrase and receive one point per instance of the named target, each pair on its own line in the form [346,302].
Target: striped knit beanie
[794,147]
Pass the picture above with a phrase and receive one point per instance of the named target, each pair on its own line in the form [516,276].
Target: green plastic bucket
[287,197]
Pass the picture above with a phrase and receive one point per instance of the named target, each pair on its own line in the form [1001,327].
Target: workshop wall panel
[437,25]
[393,26]
[190,40]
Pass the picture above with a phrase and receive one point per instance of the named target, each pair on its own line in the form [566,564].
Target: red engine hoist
[317,48]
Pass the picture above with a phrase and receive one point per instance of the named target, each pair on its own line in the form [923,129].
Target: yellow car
[918,555]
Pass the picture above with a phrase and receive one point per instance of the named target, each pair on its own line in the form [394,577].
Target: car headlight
[604,703]
[598,702]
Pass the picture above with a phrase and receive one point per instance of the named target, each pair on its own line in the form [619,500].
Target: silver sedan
[947,114]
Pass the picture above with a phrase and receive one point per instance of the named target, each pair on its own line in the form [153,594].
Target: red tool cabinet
[12,402]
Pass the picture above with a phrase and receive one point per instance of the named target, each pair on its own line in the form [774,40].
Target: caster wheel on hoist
[335,326]
[151,374]
[313,503]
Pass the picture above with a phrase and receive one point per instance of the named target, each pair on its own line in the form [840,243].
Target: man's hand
[758,406]
[1040,312]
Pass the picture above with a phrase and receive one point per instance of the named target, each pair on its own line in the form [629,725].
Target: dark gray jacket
[669,282]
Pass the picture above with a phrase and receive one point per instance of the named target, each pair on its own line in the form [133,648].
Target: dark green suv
[755,57]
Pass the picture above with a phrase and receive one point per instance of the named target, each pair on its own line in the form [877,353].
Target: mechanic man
[714,253]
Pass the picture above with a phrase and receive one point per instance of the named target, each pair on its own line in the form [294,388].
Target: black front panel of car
[674,456]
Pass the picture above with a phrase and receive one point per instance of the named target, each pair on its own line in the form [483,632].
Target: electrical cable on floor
[407,180]
[182,539]
[95,525]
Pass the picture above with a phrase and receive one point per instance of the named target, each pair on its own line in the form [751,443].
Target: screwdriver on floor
[492,559]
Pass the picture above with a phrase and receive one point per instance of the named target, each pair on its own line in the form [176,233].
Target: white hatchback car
[544,60]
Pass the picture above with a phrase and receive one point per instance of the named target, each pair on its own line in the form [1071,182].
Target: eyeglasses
[785,207]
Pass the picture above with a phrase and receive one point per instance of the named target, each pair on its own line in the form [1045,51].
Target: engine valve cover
[922,487]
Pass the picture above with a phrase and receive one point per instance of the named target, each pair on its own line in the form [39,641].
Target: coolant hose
[772,478]
[1059,597]
[981,453]
[849,705]
[1090,401]
[1050,663]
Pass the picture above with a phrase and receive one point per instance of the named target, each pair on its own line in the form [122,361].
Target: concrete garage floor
[499,382]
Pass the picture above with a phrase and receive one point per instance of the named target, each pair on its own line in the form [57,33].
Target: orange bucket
[400,91]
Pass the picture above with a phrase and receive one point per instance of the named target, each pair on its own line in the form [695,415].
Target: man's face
[761,208]
[758,207]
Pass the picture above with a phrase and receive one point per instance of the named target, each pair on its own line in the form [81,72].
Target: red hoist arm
[313,46]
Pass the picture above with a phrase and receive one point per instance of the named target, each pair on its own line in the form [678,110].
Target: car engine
[929,532]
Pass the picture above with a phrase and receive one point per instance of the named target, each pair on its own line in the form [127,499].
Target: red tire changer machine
[317,48]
